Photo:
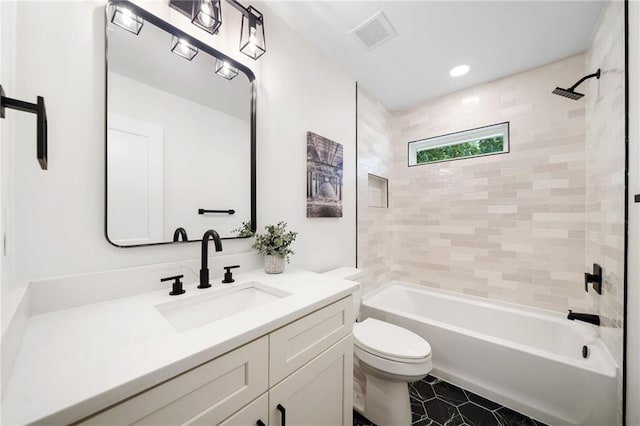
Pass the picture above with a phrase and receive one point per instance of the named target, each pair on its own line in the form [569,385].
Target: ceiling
[496,39]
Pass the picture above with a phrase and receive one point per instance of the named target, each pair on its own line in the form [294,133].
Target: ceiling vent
[374,31]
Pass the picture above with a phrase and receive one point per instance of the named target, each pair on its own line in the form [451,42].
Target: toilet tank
[351,274]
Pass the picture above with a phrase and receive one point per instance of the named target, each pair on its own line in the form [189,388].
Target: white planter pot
[273,264]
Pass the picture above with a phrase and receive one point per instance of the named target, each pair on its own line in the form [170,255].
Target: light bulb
[205,13]
[127,17]
[252,41]
[183,46]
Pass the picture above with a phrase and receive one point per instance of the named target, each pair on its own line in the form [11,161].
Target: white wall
[633,271]
[60,213]
[206,157]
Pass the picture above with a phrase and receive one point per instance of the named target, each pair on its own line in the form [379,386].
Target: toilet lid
[389,341]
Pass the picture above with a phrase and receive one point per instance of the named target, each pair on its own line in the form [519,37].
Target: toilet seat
[390,342]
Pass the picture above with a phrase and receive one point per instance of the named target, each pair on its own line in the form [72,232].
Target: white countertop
[77,361]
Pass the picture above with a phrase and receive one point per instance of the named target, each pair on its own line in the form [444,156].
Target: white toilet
[386,358]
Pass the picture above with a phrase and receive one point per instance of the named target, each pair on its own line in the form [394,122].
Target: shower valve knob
[595,278]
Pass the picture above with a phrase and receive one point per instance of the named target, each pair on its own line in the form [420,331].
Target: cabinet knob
[283,419]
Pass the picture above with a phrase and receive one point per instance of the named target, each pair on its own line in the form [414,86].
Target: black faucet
[204,268]
[179,232]
[590,318]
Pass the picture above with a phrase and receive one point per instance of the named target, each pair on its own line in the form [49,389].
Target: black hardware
[283,419]
[570,92]
[41,116]
[260,423]
[228,275]
[590,318]
[595,278]
[177,284]
[585,352]
[203,47]
[180,233]
[204,268]
[636,198]
[203,211]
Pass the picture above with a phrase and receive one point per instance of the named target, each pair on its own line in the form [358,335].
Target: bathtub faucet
[590,318]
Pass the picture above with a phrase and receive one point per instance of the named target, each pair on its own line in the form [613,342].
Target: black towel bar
[203,211]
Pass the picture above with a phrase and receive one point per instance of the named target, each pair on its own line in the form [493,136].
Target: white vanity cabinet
[319,393]
[301,373]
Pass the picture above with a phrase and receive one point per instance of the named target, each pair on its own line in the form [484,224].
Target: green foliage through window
[461,150]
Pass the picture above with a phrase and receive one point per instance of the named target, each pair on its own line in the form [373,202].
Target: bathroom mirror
[180,142]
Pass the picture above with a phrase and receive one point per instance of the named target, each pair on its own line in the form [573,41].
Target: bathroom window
[477,142]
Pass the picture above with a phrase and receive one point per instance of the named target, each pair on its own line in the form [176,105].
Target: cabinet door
[258,410]
[297,343]
[318,394]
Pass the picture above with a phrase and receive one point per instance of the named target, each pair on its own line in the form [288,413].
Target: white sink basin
[192,312]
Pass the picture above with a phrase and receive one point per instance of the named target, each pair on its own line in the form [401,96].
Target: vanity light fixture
[126,19]
[223,69]
[252,42]
[207,15]
[460,70]
[204,14]
[182,48]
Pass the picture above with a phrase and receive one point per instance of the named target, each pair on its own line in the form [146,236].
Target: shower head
[567,93]
[570,92]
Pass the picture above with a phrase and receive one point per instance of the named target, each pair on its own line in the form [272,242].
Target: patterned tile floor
[435,402]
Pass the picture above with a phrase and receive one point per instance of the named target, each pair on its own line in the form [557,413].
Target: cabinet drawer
[249,415]
[218,388]
[295,344]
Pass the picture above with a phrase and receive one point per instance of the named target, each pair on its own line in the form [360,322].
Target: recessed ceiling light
[459,70]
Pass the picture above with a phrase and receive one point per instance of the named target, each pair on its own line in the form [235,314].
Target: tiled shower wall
[374,223]
[605,171]
[508,227]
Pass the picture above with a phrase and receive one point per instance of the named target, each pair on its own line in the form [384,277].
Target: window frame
[457,138]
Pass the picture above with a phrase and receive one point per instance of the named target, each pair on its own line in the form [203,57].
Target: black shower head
[567,93]
[570,92]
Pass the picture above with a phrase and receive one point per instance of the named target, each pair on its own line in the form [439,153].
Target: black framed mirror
[180,148]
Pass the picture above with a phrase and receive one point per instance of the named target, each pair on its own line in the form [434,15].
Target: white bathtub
[527,359]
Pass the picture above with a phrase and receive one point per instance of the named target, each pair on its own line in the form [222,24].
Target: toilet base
[387,403]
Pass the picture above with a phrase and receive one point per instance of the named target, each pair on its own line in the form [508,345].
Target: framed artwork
[324,177]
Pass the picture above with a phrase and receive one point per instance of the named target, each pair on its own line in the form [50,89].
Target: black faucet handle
[595,278]
[176,288]
[228,275]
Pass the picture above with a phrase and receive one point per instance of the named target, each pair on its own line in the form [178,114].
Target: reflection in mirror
[178,138]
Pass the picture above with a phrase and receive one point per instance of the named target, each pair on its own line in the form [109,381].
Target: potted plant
[275,245]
